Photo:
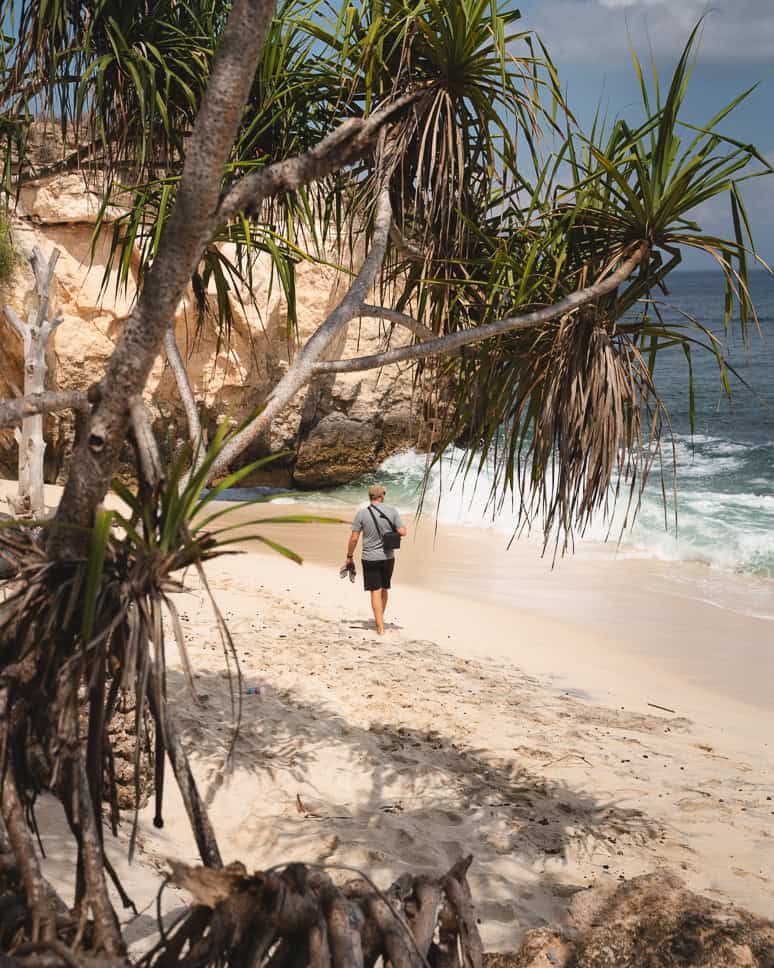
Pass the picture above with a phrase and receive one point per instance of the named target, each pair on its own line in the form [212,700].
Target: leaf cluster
[506,204]
[106,617]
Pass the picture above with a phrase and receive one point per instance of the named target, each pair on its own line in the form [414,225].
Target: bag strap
[376,523]
[386,518]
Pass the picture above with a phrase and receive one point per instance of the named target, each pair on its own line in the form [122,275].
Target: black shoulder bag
[391,538]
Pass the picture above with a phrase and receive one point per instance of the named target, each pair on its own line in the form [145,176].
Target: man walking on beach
[378,562]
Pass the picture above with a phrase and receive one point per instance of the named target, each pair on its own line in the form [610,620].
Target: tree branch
[12,412]
[44,275]
[399,319]
[13,318]
[348,142]
[446,345]
[303,367]
[177,365]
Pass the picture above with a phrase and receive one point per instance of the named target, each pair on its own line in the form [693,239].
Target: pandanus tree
[526,276]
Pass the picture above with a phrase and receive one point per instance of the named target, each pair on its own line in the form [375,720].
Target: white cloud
[596,30]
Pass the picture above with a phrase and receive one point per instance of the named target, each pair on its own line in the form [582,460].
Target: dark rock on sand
[649,922]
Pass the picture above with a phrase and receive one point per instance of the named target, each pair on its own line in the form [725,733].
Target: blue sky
[589,43]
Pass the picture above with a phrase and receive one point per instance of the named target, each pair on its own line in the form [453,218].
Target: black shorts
[377,574]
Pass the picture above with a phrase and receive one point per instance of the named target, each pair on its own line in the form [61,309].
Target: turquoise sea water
[725,468]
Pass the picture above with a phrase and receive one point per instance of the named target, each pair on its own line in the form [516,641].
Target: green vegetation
[503,203]
[8,257]
[531,254]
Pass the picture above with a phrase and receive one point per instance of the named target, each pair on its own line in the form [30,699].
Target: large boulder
[335,429]
[649,922]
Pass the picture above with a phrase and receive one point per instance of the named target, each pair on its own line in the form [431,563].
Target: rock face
[336,428]
[648,922]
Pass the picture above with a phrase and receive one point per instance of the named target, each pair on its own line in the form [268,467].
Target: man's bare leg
[377,597]
[385,596]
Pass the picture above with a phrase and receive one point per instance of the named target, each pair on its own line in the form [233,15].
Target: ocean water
[725,467]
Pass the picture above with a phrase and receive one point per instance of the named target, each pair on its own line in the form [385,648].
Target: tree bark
[182,241]
[13,412]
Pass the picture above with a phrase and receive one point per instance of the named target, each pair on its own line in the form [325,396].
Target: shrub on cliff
[8,257]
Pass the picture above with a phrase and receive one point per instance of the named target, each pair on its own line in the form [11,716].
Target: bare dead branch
[447,345]
[44,276]
[13,318]
[12,412]
[303,368]
[347,143]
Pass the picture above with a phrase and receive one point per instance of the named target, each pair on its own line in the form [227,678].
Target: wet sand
[691,625]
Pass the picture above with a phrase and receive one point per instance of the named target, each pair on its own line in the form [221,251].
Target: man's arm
[352,544]
[357,527]
[399,525]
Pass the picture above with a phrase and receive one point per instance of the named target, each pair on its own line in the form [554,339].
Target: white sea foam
[728,530]
[716,524]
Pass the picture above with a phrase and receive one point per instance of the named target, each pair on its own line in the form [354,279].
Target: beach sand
[523,734]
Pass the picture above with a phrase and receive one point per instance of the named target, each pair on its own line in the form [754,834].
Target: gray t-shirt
[372,536]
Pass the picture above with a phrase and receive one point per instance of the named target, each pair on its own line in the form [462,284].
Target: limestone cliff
[336,428]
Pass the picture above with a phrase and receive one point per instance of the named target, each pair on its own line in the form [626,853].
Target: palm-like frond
[569,415]
[124,79]
[322,65]
[102,617]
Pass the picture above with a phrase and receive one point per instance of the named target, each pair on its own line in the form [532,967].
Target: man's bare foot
[380,630]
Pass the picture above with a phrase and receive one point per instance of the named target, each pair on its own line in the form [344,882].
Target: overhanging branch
[447,345]
[350,141]
[399,319]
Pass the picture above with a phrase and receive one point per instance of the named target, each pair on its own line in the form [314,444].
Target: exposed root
[297,917]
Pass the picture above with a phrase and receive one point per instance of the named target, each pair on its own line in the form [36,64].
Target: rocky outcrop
[335,429]
[649,922]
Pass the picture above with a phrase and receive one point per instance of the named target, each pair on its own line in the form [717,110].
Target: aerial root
[19,836]
[194,807]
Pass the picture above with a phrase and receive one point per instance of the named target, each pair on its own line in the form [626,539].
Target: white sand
[470,727]
[409,751]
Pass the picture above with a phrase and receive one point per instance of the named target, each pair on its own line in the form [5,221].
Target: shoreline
[689,627]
